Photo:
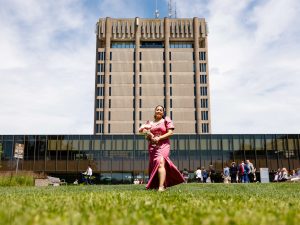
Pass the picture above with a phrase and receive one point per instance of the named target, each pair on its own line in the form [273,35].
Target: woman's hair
[163,111]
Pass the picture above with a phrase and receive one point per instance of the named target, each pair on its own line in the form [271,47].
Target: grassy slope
[255,204]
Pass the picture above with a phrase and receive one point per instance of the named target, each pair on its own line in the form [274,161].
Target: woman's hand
[156,139]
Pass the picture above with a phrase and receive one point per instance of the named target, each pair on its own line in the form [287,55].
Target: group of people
[282,175]
[241,173]
[206,176]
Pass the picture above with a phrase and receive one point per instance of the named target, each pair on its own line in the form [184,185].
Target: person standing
[212,173]
[198,174]
[204,174]
[226,174]
[252,171]
[233,170]
[162,172]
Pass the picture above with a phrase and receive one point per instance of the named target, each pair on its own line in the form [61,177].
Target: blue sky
[47,61]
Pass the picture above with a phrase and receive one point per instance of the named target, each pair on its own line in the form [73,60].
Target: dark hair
[164,111]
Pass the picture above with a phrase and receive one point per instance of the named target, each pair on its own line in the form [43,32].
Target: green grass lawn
[253,204]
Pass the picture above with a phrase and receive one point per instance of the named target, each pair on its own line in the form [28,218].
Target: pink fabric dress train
[162,149]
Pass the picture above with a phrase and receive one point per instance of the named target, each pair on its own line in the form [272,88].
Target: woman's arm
[163,137]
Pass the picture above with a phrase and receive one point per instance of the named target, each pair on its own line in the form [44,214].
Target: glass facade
[123,157]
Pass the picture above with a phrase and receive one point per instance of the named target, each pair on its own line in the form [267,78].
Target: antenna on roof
[172,13]
[170,8]
[175,11]
[156,10]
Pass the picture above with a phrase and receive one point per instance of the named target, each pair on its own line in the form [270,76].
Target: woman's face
[159,112]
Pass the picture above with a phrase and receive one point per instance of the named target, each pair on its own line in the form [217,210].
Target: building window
[100,103]
[110,56]
[204,115]
[170,79]
[140,103]
[140,67]
[202,55]
[193,56]
[133,56]
[170,91]
[109,128]
[97,128]
[203,79]
[100,115]
[152,44]
[171,103]
[100,79]
[97,115]
[100,91]
[140,56]
[110,79]
[101,67]
[125,44]
[202,67]
[101,56]
[109,90]
[109,115]
[109,103]
[171,114]
[205,128]
[140,115]
[204,103]
[140,91]
[110,67]
[203,91]
[181,45]
[140,79]
[170,56]
[164,56]
[133,89]
[170,67]
[133,67]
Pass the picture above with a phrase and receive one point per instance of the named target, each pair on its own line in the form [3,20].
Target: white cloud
[254,63]
[48,52]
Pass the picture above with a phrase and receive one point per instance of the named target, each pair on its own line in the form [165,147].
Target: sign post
[19,153]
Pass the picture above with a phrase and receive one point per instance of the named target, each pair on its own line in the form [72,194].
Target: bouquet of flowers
[145,130]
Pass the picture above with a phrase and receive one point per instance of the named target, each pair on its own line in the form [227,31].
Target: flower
[145,130]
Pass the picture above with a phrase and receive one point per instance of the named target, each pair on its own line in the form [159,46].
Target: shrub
[19,179]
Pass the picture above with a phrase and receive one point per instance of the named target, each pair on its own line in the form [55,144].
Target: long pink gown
[162,149]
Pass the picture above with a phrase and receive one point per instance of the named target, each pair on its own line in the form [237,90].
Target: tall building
[142,63]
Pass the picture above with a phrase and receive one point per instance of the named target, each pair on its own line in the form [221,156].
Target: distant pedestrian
[226,175]
[233,170]
[198,174]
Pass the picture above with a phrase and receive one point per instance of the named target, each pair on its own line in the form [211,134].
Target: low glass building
[121,158]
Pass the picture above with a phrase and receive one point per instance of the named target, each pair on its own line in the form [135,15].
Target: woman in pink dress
[163,173]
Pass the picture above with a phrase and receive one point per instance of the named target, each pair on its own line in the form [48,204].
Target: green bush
[13,179]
